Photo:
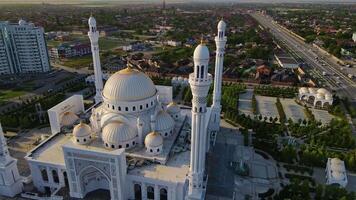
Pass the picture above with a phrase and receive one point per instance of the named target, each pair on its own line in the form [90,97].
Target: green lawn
[9,94]
[108,44]
[78,62]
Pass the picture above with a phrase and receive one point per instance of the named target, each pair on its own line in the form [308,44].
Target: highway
[336,78]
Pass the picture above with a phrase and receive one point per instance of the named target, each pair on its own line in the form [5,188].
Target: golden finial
[202,40]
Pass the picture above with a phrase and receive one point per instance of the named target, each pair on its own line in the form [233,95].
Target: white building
[174,43]
[127,144]
[336,172]
[23,48]
[354,37]
[317,97]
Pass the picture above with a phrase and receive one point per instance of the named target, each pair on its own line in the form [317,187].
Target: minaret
[94,38]
[10,184]
[199,82]
[220,41]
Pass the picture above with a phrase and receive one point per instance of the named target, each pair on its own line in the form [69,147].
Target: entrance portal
[93,179]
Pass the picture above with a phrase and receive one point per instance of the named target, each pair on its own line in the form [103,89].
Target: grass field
[108,44]
[78,62]
[9,94]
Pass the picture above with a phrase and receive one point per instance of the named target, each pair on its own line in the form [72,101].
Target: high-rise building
[23,48]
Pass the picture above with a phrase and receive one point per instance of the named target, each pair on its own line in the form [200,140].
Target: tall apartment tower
[23,48]
[220,41]
[93,34]
[10,180]
[199,82]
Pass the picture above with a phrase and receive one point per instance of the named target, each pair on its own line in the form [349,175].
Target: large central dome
[128,85]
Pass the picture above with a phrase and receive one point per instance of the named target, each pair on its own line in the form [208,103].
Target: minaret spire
[94,38]
[11,183]
[199,82]
[220,41]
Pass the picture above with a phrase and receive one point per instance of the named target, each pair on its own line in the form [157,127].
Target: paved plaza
[266,106]
[293,110]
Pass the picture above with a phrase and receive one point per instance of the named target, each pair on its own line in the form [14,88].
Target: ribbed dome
[173,108]
[82,130]
[201,52]
[129,85]
[153,139]
[164,121]
[117,132]
[69,118]
[221,25]
[22,22]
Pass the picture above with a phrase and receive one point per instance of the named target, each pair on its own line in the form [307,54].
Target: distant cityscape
[173,100]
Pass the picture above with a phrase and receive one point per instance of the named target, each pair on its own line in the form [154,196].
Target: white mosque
[134,142]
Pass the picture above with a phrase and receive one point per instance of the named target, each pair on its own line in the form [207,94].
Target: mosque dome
[128,85]
[221,25]
[173,108]
[22,22]
[82,130]
[118,133]
[164,121]
[92,21]
[153,139]
[69,118]
[201,52]
[328,97]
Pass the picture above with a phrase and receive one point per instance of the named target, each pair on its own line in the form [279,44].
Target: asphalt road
[336,79]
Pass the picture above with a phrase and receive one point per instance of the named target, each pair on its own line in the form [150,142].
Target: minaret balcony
[200,81]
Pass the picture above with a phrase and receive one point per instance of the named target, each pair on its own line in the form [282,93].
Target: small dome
[320,96]
[82,130]
[68,119]
[323,91]
[117,132]
[129,85]
[92,21]
[22,22]
[201,52]
[153,139]
[221,25]
[164,121]
[173,108]
[303,90]
[328,97]
[312,90]
[180,78]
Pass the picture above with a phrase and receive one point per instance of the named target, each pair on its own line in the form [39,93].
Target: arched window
[138,192]
[55,176]
[200,109]
[127,145]
[202,72]
[44,174]
[150,192]
[84,140]
[141,107]
[120,146]
[119,108]
[134,108]
[163,194]
[146,105]
[126,108]
[197,75]
[113,107]
[113,146]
